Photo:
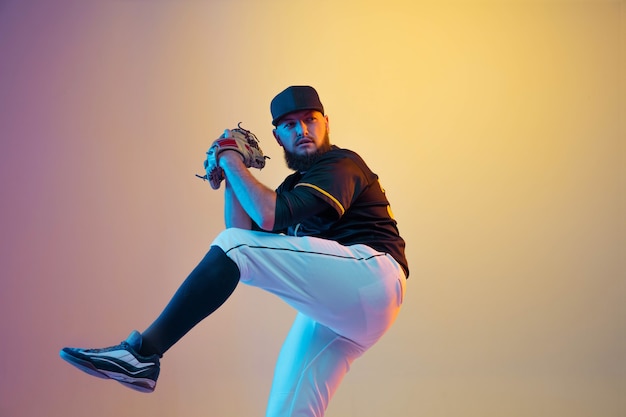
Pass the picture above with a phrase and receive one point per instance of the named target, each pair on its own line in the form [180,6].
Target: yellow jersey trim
[318,189]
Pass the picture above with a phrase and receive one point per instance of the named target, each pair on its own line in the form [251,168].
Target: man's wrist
[229,157]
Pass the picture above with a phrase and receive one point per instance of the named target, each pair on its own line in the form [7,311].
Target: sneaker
[122,363]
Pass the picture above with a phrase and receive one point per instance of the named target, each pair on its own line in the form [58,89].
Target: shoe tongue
[134,340]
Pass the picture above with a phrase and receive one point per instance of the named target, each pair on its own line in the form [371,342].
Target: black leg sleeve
[207,287]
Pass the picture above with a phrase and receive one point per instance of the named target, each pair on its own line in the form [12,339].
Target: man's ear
[276,137]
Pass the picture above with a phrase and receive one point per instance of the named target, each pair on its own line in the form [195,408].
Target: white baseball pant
[346,297]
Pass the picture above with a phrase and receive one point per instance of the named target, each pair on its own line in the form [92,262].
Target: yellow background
[497,129]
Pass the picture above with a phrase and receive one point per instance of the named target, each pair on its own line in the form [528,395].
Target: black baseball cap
[295,98]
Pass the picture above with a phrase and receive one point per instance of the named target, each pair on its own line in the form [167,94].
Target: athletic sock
[206,288]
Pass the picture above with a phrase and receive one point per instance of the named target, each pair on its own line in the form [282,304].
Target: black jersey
[339,198]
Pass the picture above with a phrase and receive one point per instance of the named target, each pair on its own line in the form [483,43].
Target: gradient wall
[497,129]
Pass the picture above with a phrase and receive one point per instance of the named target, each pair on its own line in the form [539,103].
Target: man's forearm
[257,200]
[234,214]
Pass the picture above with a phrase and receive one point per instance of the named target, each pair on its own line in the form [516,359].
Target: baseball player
[324,241]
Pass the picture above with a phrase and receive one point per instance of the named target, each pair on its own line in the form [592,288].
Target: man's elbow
[266,221]
[266,214]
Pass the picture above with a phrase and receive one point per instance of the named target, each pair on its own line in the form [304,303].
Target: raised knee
[226,238]
[232,237]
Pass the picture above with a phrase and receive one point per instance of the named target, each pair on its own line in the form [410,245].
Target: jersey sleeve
[298,206]
[336,181]
[326,191]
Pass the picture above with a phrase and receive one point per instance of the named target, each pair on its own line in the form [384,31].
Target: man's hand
[238,140]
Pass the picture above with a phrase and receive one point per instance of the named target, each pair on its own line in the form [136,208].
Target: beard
[302,163]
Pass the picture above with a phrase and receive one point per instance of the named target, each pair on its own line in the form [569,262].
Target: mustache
[304,139]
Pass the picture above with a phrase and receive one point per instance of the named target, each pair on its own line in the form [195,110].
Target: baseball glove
[239,140]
